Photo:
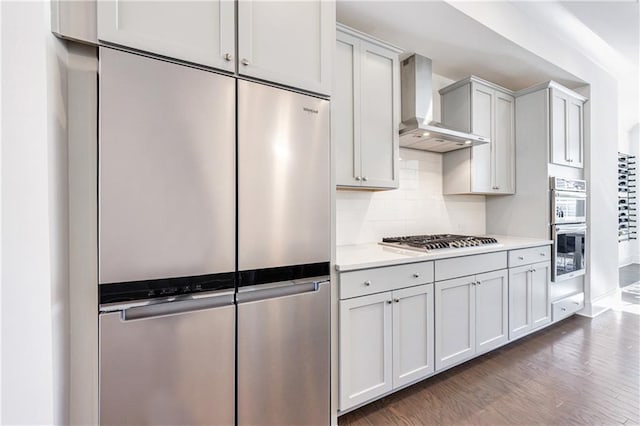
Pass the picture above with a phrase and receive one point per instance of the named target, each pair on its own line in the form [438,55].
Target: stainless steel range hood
[418,130]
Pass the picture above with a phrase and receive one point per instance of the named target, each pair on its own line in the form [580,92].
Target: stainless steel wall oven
[568,227]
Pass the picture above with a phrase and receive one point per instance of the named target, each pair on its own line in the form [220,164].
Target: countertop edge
[416,258]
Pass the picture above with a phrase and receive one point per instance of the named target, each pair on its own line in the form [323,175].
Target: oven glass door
[569,207]
[569,253]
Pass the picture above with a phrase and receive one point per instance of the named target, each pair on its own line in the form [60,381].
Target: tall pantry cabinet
[365,111]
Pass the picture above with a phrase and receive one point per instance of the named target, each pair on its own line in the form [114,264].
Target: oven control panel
[564,184]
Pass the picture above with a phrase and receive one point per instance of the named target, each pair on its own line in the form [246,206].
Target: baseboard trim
[629,261]
[593,308]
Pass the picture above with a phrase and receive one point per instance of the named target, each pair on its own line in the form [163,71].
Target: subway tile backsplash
[417,207]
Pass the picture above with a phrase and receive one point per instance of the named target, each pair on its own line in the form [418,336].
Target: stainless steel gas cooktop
[436,241]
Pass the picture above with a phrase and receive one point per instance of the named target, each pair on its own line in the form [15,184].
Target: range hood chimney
[418,130]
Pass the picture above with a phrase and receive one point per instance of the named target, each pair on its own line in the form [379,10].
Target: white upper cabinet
[504,137]
[485,109]
[202,32]
[365,111]
[284,42]
[567,124]
[287,42]
[553,114]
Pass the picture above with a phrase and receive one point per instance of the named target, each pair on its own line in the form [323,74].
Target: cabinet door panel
[559,127]
[491,310]
[540,296]
[575,139]
[202,32]
[345,117]
[504,143]
[519,306]
[365,348]
[287,42]
[481,155]
[455,317]
[379,110]
[412,334]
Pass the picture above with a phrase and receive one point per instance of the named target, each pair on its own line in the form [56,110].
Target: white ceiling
[459,45]
[616,22]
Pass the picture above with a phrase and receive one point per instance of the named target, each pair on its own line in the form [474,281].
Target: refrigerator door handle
[176,307]
[280,291]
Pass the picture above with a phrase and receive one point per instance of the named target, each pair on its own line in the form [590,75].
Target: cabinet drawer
[567,306]
[529,255]
[375,280]
[470,265]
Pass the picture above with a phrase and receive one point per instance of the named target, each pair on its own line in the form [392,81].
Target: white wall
[33,224]
[629,143]
[417,207]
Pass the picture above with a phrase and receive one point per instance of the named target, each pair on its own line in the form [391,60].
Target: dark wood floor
[579,371]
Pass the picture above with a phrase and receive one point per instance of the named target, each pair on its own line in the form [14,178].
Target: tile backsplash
[417,207]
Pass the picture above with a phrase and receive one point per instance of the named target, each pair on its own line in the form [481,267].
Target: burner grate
[438,241]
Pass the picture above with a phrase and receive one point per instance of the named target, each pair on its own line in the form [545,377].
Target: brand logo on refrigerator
[315,111]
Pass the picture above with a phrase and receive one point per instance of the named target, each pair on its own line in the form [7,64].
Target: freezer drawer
[166,169]
[172,363]
[283,357]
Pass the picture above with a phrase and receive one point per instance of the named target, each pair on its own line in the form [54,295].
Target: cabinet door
[379,116]
[540,294]
[412,334]
[455,321]
[559,103]
[575,134]
[365,348]
[287,42]
[491,310]
[345,111]
[482,118]
[519,301]
[503,140]
[202,32]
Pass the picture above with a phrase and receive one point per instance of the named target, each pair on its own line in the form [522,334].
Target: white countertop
[363,256]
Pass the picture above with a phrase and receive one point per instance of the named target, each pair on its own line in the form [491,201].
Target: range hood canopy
[418,130]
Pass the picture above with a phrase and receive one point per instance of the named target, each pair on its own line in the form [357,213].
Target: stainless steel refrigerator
[214,217]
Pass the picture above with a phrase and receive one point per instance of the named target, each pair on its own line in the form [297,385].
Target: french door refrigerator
[214,217]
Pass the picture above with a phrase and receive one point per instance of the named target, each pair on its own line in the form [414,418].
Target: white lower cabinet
[397,326]
[365,348]
[412,334]
[529,298]
[471,316]
[386,341]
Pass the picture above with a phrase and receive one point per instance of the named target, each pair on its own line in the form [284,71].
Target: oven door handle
[569,194]
[563,229]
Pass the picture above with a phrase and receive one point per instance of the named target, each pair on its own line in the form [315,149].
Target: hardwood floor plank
[580,371]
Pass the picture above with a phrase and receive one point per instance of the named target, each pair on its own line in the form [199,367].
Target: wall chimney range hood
[418,130]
